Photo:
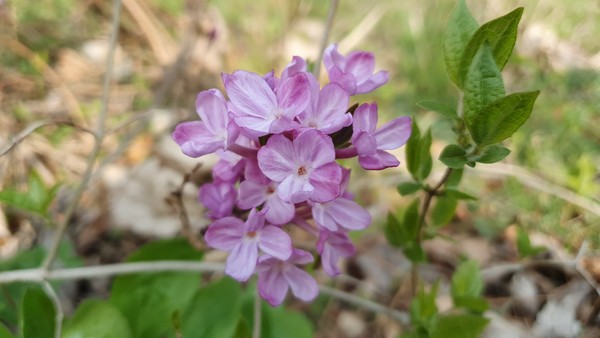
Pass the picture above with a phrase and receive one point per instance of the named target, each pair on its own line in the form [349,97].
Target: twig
[325,38]
[40,275]
[582,270]
[100,130]
[57,306]
[533,181]
[177,203]
[35,126]
[256,330]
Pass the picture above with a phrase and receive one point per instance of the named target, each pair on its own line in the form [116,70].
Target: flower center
[251,234]
[270,190]
[302,171]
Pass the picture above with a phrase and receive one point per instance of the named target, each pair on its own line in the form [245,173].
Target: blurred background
[53,56]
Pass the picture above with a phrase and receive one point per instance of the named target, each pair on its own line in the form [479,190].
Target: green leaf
[281,322]
[423,309]
[483,84]
[37,315]
[493,154]
[149,300]
[454,178]
[414,252]
[443,210]
[524,245]
[5,332]
[214,310]
[411,219]
[501,118]
[407,188]
[97,319]
[461,27]
[459,195]
[500,34]
[472,303]
[394,231]
[425,162]
[466,280]
[459,326]
[413,152]
[453,156]
[437,107]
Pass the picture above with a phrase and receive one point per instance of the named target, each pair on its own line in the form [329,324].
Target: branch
[60,314]
[325,37]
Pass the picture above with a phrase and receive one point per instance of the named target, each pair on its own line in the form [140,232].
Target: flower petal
[365,143]
[348,214]
[378,161]
[313,148]
[279,212]
[250,94]
[327,182]
[242,260]
[272,286]
[346,80]
[332,58]
[375,81]
[195,139]
[258,126]
[276,158]
[293,95]
[393,134]
[365,118]
[275,242]
[212,109]
[295,66]
[225,233]
[360,65]
[295,189]
[323,218]
[331,109]
[252,194]
[302,284]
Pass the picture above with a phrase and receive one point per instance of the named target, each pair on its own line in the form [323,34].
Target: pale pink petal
[301,257]
[276,158]
[302,284]
[365,118]
[332,58]
[295,189]
[375,81]
[284,123]
[252,194]
[275,242]
[272,286]
[393,134]
[297,65]
[212,109]
[242,260]
[195,139]
[323,218]
[360,65]
[332,109]
[256,220]
[279,212]
[250,94]
[258,125]
[326,181]
[380,160]
[332,246]
[225,233]
[313,148]
[346,80]
[271,80]
[293,95]
[365,143]
[219,198]
[348,214]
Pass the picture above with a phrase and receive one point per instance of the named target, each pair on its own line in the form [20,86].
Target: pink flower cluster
[278,140]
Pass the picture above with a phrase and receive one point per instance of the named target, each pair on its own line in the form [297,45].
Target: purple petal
[212,109]
[346,80]
[295,189]
[250,94]
[257,125]
[275,242]
[332,58]
[293,95]
[271,80]
[303,285]
[313,148]
[375,81]
[365,118]
[297,65]
[256,220]
[332,245]
[195,139]
[380,160]
[323,218]
[272,286]
[242,260]
[365,143]
[219,198]
[348,214]
[276,158]
[225,233]
[332,107]
[279,212]
[326,181]
[301,257]
[393,134]
[252,194]
[360,65]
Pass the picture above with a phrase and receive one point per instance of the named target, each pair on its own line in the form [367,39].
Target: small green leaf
[493,154]
[214,310]
[500,33]
[472,303]
[394,232]
[413,152]
[466,280]
[414,252]
[423,309]
[411,219]
[97,319]
[483,84]
[37,315]
[459,326]
[443,210]
[454,178]
[501,118]
[407,188]
[281,322]
[5,332]
[425,162]
[461,27]
[453,156]
[437,107]
[459,195]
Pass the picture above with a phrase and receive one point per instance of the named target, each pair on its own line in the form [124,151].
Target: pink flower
[254,194]
[354,72]
[304,168]
[197,138]
[276,277]
[331,246]
[260,111]
[371,144]
[244,239]
[327,110]
[219,198]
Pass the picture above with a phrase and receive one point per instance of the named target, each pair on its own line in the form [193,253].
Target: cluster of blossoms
[278,140]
